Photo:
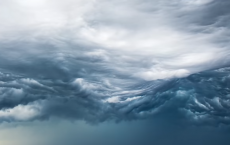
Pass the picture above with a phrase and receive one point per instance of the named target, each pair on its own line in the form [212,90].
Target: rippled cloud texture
[98,60]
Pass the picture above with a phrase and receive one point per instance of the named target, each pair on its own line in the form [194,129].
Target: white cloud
[20,112]
[124,31]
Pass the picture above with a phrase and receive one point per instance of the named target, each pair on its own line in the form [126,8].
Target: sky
[128,72]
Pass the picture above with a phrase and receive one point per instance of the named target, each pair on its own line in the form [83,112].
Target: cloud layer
[100,60]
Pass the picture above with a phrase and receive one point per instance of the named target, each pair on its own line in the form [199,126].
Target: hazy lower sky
[114,72]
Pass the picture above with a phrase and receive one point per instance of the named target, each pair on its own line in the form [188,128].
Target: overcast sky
[125,72]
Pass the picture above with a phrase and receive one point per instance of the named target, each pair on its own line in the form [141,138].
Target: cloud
[20,113]
[117,60]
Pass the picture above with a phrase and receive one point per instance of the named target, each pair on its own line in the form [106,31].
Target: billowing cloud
[100,60]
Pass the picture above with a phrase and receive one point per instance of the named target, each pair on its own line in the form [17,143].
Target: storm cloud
[98,60]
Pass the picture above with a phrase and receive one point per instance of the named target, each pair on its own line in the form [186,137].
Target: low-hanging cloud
[99,60]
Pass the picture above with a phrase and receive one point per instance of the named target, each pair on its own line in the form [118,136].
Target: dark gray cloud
[201,98]
[216,13]
[139,60]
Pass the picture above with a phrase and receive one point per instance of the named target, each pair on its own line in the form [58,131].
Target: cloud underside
[200,98]
[140,59]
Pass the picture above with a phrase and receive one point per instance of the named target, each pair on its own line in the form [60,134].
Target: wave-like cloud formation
[114,60]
